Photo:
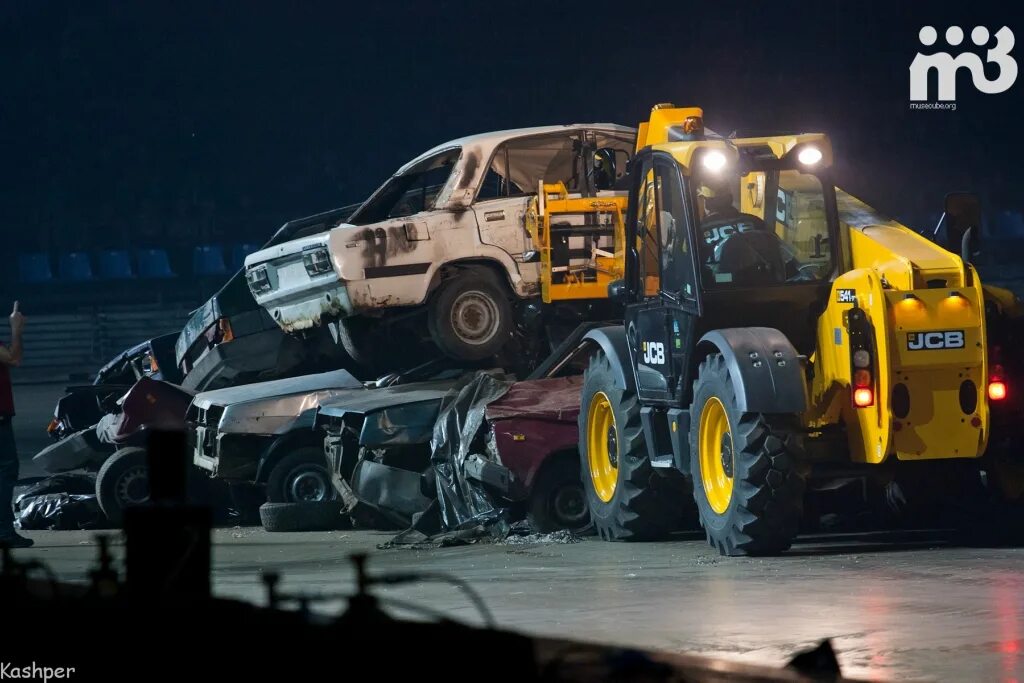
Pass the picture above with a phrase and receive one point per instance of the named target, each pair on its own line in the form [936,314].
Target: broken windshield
[410,192]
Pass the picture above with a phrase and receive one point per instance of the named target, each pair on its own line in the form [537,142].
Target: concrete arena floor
[897,606]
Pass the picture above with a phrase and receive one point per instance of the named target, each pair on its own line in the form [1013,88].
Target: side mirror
[617,292]
[963,223]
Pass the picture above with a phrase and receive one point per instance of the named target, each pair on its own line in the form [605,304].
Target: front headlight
[259,280]
[317,260]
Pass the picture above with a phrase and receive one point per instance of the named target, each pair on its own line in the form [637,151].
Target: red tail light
[996,390]
[863,397]
[996,384]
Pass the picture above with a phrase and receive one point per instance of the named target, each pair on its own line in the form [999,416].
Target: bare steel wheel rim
[308,486]
[133,486]
[475,317]
[602,447]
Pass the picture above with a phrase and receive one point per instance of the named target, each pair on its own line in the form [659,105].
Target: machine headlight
[714,161]
[809,156]
[317,260]
[259,280]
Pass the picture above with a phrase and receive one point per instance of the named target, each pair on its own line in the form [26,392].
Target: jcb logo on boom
[926,341]
[654,353]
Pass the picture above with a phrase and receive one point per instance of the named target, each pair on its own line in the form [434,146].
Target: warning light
[863,397]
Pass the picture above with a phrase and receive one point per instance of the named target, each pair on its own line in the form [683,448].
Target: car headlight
[317,260]
[259,280]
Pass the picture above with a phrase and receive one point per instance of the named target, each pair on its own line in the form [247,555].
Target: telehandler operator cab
[725,233]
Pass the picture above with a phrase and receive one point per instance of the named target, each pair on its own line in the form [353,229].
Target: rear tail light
[997,389]
[52,427]
[259,280]
[226,333]
[317,260]
[861,358]
[863,397]
[154,367]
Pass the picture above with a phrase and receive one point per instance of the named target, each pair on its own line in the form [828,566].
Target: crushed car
[231,340]
[83,405]
[512,448]
[445,236]
[261,434]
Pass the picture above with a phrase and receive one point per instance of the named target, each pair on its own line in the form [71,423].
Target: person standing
[10,356]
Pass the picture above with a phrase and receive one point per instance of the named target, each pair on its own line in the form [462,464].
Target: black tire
[558,500]
[324,516]
[470,316]
[637,509]
[356,336]
[301,477]
[123,481]
[762,514]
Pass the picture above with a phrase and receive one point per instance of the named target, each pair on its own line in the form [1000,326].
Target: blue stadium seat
[75,266]
[239,252]
[154,264]
[115,264]
[1010,224]
[35,268]
[208,260]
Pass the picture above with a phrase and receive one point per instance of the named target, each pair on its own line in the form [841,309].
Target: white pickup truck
[445,233]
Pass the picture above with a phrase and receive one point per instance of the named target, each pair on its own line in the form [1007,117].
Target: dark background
[173,124]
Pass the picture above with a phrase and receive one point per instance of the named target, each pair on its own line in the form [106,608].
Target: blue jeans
[8,475]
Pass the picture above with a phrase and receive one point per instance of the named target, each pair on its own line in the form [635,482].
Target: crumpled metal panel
[457,436]
[555,399]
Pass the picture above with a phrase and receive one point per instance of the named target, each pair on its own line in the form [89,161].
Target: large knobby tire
[624,503]
[557,500]
[323,516]
[470,316]
[301,477]
[122,482]
[746,484]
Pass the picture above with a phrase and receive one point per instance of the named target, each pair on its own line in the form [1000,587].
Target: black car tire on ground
[323,516]
[558,500]
[762,511]
[300,476]
[122,481]
[470,316]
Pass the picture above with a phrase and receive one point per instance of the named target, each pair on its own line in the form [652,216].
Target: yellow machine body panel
[869,430]
[937,424]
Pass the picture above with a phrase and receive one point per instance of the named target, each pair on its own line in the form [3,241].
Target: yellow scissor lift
[549,225]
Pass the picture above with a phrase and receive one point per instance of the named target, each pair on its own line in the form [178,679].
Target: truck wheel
[470,317]
[558,500]
[748,491]
[123,481]
[617,476]
[300,477]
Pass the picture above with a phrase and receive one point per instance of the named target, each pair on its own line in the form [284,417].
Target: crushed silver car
[263,434]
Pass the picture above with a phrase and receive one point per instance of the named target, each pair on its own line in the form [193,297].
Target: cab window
[767,227]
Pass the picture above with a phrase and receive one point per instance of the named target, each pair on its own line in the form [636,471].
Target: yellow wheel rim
[602,446]
[716,455]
